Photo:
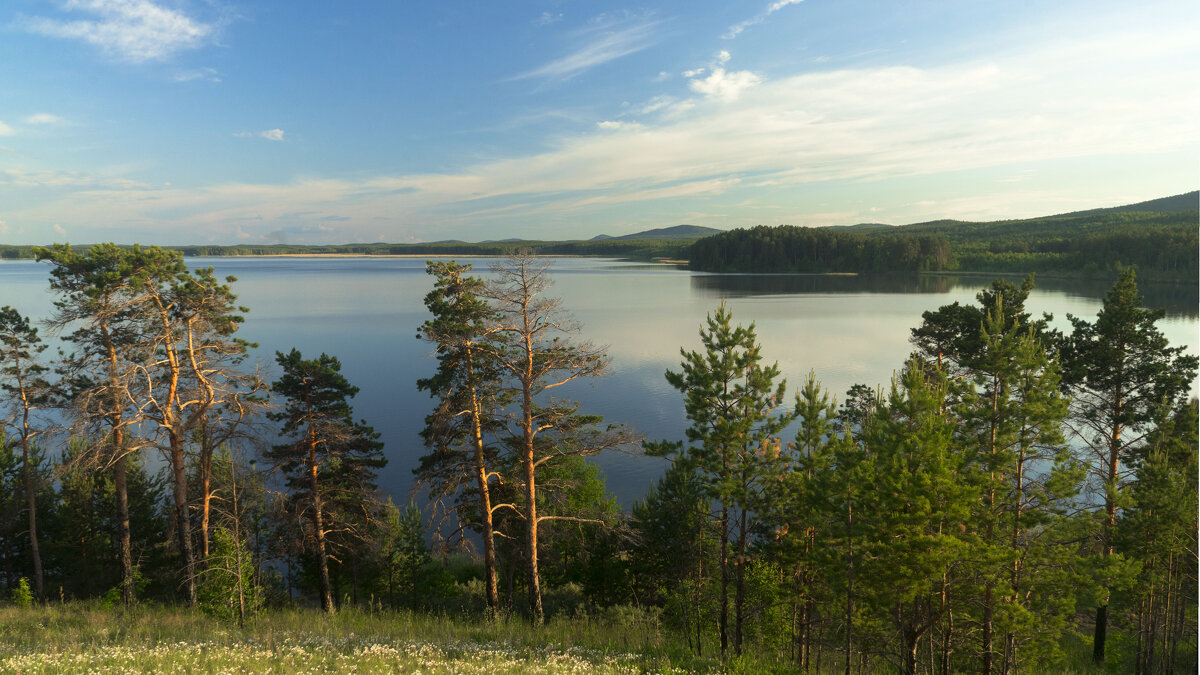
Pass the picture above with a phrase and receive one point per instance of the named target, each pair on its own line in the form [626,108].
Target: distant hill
[1188,201]
[860,226]
[674,232]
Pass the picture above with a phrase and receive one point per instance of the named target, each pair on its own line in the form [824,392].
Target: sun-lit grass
[88,638]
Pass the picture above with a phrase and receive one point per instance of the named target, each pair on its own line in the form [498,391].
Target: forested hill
[1162,244]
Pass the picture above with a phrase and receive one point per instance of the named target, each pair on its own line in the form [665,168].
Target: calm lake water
[366,311]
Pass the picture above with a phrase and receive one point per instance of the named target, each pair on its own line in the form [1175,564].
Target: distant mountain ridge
[674,232]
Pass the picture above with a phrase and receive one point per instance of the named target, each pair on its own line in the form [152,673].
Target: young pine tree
[328,454]
[1120,370]
[730,398]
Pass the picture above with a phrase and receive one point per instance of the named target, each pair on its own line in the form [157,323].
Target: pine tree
[730,399]
[911,536]
[542,357]
[329,455]
[1121,370]
[469,400]
[22,378]
[1158,530]
[98,302]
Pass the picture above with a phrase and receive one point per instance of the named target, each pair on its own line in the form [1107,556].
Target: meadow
[90,637]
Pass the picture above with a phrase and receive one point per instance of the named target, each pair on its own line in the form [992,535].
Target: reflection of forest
[1178,299]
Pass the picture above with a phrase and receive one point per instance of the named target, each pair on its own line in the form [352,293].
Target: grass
[86,637]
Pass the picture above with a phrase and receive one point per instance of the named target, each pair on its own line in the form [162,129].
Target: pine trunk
[183,524]
[723,619]
[489,543]
[319,527]
[121,488]
[31,503]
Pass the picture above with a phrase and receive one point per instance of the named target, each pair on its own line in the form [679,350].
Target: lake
[366,311]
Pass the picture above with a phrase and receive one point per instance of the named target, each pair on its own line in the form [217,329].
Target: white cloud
[4,227]
[5,130]
[725,86]
[738,28]
[655,104]
[616,125]
[547,18]
[269,134]
[135,30]
[208,74]
[723,57]
[58,229]
[694,72]
[605,41]
[43,118]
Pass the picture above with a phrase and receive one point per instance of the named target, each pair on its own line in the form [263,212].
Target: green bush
[21,595]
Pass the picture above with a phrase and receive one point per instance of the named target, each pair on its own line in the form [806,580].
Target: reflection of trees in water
[1177,299]
[741,285]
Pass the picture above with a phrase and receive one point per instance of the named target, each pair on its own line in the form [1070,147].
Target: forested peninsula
[1017,498]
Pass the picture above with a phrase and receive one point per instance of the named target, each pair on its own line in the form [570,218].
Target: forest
[1018,498]
[1162,246]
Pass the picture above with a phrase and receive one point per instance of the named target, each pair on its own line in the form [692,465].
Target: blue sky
[308,121]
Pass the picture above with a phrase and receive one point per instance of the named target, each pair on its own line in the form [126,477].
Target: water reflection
[1178,299]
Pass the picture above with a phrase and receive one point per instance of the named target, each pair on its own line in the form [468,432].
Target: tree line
[787,248]
[1014,492]
[1160,245]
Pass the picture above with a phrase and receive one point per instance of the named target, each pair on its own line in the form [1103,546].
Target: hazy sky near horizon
[306,121]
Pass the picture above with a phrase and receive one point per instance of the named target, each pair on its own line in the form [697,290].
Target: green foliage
[1158,531]
[227,587]
[1161,244]
[805,249]
[21,595]
[410,577]
[329,460]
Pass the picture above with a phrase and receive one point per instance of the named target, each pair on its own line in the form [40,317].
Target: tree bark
[31,503]
[183,524]
[489,544]
[319,526]
[121,488]
[723,619]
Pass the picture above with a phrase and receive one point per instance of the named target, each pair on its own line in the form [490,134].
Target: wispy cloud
[134,30]
[868,125]
[43,118]
[738,28]
[207,74]
[68,179]
[269,134]
[605,39]
[617,125]
[5,130]
[548,18]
